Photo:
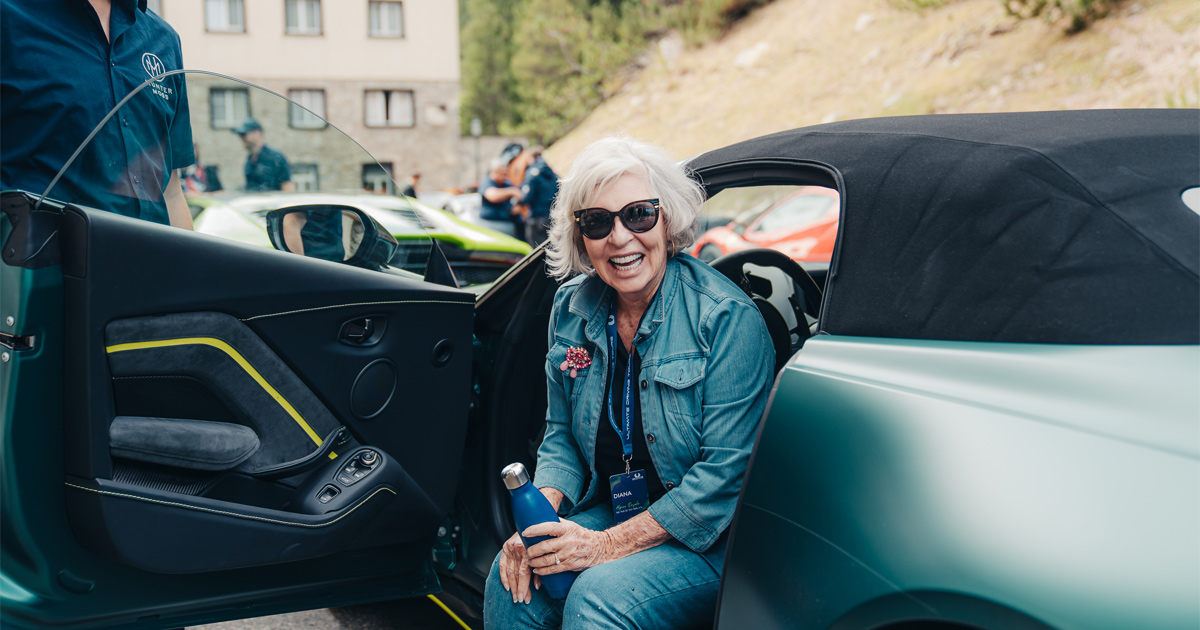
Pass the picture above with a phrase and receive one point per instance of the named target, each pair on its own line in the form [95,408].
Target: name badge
[629,495]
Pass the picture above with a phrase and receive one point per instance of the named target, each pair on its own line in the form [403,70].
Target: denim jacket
[707,369]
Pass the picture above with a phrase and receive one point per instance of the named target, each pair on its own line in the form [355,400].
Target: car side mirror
[337,233]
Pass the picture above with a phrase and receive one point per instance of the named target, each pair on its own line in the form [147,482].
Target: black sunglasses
[636,216]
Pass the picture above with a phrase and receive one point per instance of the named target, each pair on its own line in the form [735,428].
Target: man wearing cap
[266,168]
[64,64]
[538,189]
[496,196]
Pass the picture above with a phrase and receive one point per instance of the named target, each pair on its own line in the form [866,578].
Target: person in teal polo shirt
[64,65]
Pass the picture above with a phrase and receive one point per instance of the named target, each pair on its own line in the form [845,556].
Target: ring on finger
[555,558]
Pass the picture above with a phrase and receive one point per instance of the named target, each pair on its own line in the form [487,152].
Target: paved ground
[419,614]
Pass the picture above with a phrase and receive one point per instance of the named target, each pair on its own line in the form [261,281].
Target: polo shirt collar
[123,15]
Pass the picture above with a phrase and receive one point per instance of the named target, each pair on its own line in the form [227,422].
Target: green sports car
[477,254]
[986,412]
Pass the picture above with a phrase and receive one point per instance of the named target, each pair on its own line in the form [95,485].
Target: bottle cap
[514,476]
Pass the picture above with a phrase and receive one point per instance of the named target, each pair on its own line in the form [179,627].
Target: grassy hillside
[801,62]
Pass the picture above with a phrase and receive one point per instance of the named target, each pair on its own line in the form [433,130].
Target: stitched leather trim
[233,514]
[324,308]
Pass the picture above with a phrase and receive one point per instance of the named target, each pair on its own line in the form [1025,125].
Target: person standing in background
[64,64]
[266,168]
[496,197]
[410,185]
[199,180]
[538,189]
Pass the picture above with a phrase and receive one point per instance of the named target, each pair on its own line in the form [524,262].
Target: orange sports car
[803,225]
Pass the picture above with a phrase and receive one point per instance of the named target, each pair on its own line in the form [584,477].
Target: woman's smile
[628,264]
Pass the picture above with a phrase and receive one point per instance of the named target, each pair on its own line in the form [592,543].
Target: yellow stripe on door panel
[237,357]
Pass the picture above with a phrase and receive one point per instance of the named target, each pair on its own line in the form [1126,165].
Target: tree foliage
[488,88]
[537,67]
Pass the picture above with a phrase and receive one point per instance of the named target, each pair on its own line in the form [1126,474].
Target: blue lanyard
[625,431]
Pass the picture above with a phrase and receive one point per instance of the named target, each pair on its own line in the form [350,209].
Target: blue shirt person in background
[537,193]
[64,64]
[266,168]
[497,197]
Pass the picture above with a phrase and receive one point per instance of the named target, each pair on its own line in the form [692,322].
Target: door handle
[363,331]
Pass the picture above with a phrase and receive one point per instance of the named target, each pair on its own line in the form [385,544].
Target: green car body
[478,254]
[935,451]
[964,482]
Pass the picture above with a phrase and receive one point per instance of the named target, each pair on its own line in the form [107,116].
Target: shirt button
[645,384]
[670,485]
[650,438]
[112,63]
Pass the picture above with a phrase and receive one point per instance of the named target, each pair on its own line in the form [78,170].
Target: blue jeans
[668,586]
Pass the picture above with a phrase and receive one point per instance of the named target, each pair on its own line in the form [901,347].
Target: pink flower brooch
[577,359]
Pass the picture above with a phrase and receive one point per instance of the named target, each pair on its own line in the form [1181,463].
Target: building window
[155,6]
[377,178]
[224,15]
[390,108]
[230,107]
[306,178]
[303,17]
[386,19]
[307,109]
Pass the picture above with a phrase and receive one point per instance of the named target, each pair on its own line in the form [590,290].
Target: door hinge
[447,548]
[17,343]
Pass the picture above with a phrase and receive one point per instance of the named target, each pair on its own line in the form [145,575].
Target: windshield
[238,151]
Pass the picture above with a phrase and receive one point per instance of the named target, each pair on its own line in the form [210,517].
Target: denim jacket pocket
[571,384]
[682,380]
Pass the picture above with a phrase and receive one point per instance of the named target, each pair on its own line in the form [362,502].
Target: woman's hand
[514,570]
[514,560]
[571,548]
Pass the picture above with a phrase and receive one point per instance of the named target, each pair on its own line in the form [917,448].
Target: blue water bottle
[531,507]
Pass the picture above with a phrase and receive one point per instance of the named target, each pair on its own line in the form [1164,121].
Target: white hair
[596,169]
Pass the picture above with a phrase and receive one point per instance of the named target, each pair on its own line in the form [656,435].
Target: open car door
[198,429]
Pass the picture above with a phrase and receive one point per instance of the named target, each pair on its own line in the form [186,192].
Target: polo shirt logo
[154,66]
[156,69]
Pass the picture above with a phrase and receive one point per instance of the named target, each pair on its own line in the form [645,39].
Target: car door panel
[171,326]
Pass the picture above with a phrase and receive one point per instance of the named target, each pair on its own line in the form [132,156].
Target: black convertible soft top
[1042,227]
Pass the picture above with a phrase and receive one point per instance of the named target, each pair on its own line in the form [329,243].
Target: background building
[386,72]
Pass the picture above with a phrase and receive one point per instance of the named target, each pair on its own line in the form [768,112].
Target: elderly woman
[658,371]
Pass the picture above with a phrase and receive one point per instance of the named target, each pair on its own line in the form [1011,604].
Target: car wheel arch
[938,610]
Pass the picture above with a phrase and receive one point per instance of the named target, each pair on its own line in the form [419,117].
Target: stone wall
[432,146]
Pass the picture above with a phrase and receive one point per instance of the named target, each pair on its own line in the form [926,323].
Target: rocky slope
[801,62]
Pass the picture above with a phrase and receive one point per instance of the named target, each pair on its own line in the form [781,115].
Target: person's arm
[177,207]
[496,194]
[559,473]
[572,547]
[739,370]
[285,175]
[292,224]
